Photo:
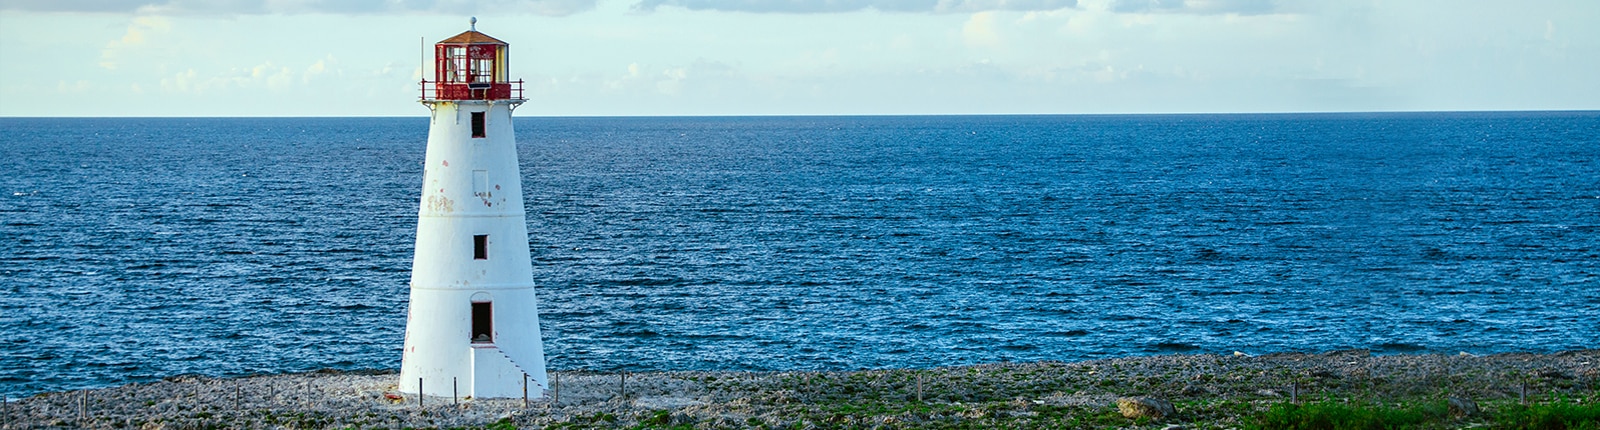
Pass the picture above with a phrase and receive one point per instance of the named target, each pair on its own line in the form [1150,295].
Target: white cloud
[182,82]
[277,78]
[272,77]
[962,6]
[671,81]
[140,30]
[837,6]
[1205,7]
[316,69]
[980,30]
[644,81]
[623,83]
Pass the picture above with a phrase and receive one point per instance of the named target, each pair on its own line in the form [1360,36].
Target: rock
[1145,407]
[1554,374]
[681,420]
[1349,353]
[1322,374]
[1463,407]
[183,379]
[1268,393]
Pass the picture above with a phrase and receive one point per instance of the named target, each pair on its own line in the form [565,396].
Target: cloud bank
[1204,7]
[836,6]
[290,7]
[568,7]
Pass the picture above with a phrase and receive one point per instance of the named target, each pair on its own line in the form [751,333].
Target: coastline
[1210,391]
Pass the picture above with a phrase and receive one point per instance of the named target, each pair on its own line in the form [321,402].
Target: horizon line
[800,115]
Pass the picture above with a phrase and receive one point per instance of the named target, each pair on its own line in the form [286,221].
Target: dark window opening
[480,247]
[477,125]
[482,323]
[483,70]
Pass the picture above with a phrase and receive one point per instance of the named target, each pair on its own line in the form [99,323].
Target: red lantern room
[471,66]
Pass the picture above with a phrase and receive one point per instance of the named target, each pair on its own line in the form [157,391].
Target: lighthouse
[472,327]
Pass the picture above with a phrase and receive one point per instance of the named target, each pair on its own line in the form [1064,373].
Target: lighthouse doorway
[482,322]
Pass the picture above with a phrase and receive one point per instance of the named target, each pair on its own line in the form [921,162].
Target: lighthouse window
[482,323]
[477,125]
[480,247]
[456,64]
[483,70]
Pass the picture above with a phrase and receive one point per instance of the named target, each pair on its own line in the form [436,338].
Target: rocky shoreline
[1208,391]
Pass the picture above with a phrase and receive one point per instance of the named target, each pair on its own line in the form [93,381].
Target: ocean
[133,249]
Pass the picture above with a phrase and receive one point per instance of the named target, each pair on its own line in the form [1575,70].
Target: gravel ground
[1210,391]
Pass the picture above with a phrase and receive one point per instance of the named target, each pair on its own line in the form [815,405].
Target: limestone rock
[1136,407]
[1554,374]
[1349,353]
[1463,407]
[1322,374]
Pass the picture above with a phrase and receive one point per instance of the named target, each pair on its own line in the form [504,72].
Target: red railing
[435,91]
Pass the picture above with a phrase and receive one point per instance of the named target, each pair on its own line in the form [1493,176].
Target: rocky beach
[1204,391]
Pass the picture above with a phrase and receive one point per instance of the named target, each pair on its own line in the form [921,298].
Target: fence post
[455,397]
[83,406]
[419,393]
[624,385]
[524,390]
[919,386]
[555,387]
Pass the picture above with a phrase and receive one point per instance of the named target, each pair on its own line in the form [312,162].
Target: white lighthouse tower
[473,324]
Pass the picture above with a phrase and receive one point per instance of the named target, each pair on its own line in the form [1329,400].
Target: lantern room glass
[456,64]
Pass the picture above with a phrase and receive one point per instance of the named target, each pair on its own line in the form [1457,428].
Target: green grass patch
[1430,415]
[1552,416]
[1338,416]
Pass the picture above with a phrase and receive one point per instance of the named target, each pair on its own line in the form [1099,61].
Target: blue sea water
[134,249]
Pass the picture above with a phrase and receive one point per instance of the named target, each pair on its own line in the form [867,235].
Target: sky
[81,58]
